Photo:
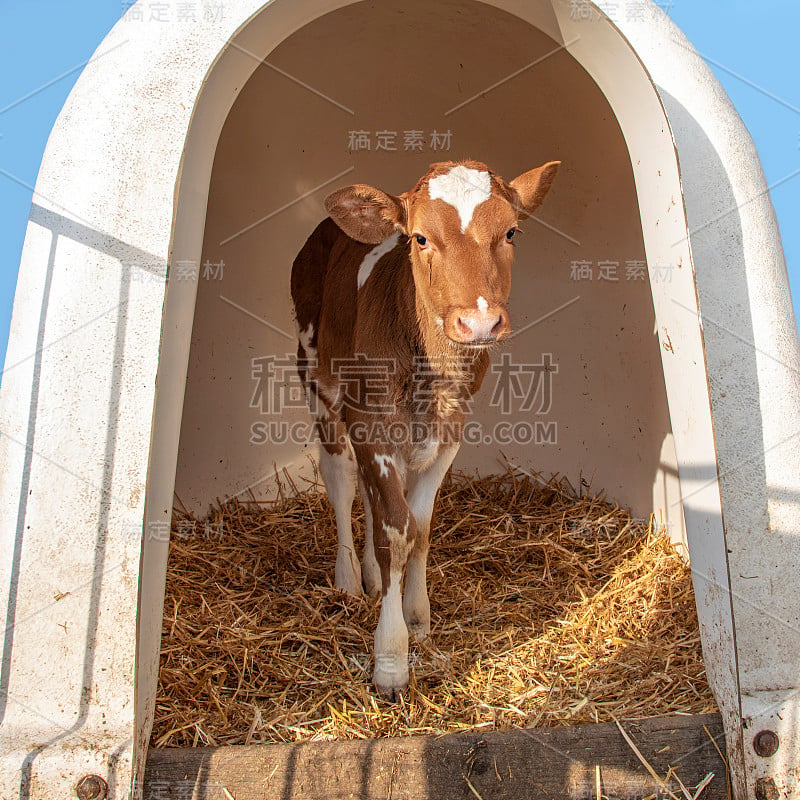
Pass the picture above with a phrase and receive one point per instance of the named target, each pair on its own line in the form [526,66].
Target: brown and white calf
[398,299]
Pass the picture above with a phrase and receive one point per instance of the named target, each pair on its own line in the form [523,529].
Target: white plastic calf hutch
[182,176]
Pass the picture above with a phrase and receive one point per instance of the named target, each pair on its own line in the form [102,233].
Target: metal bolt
[766,743]
[91,787]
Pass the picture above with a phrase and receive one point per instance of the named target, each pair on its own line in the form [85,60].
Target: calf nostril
[463,327]
[497,326]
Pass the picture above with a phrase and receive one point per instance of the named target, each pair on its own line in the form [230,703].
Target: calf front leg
[422,489]
[393,530]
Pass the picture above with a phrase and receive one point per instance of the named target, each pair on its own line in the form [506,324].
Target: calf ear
[367,214]
[532,186]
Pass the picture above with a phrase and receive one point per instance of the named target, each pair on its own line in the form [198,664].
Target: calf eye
[510,234]
[421,240]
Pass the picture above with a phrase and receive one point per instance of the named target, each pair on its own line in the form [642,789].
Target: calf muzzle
[473,326]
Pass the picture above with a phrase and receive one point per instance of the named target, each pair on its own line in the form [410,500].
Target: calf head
[461,220]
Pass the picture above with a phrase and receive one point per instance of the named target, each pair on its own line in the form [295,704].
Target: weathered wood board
[530,764]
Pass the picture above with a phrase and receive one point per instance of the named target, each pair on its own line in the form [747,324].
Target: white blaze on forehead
[463,188]
[374,256]
[482,304]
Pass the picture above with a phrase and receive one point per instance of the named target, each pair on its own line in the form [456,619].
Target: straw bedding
[548,608]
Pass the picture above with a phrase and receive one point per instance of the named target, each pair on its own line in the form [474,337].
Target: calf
[398,300]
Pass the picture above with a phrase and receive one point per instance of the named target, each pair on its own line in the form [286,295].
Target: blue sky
[752,47]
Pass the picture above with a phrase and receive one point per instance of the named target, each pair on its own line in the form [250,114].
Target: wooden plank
[516,764]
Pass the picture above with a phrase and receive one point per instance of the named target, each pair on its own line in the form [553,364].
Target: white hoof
[348,572]
[371,574]
[419,629]
[417,614]
[390,676]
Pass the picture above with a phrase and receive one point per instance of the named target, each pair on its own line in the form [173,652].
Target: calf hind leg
[339,474]
[370,572]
